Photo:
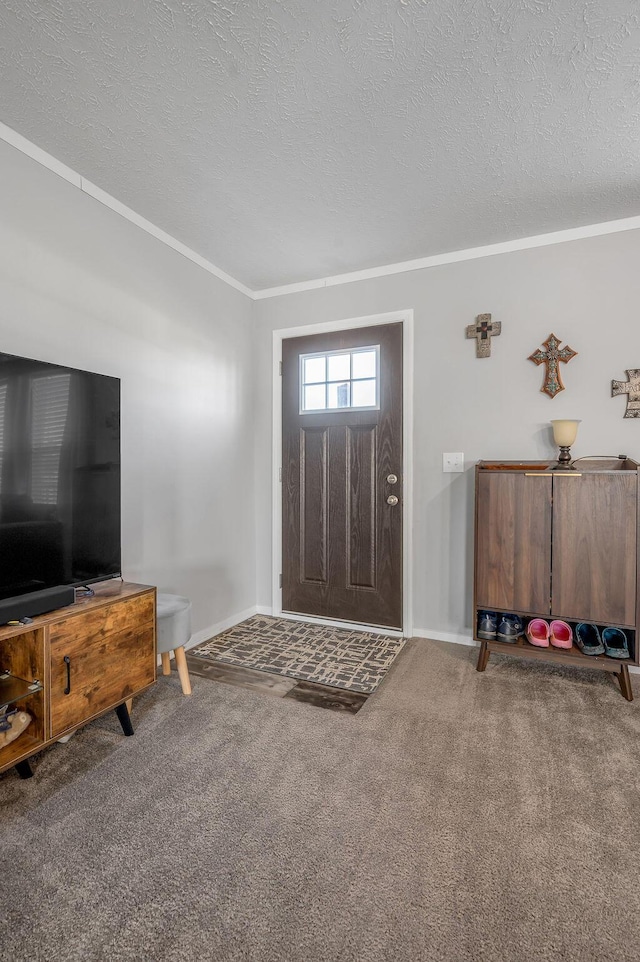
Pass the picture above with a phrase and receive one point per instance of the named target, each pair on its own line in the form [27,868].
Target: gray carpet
[458,817]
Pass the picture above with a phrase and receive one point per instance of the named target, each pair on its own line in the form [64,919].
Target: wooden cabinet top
[583,466]
[105,593]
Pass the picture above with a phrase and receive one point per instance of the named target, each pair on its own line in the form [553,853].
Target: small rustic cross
[551,357]
[632,389]
[483,330]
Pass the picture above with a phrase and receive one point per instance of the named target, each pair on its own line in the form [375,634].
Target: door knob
[392,500]
[392,479]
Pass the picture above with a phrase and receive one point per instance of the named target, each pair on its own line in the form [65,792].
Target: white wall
[586,292]
[83,287]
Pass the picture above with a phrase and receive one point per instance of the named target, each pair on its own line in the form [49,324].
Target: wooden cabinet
[559,544]
[74,664]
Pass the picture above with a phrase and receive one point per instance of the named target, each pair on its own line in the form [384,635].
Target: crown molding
[454,257]
[421,263]
[51,163]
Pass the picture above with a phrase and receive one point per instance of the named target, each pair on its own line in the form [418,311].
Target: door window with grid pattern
[340,380]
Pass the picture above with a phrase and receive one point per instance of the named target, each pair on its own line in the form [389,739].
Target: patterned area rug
[337,657]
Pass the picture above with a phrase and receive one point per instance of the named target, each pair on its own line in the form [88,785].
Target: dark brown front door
[341,451]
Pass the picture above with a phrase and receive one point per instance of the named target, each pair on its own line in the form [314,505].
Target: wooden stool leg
[166,662]
[183,671]
[625,682]
[483,656]
[129,704]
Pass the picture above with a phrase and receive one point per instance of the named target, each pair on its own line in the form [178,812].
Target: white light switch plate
[453,462]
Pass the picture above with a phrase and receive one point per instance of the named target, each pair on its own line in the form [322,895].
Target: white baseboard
[455,639]
[429,633]
[206,633]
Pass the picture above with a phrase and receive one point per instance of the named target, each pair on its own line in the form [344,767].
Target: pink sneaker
[561,634]
[538,633]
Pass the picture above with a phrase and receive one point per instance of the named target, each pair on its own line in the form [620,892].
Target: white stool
[174,632]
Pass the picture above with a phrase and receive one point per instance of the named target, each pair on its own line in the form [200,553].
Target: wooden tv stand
[73,664]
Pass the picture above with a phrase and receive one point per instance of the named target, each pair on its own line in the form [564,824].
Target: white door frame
[406,318]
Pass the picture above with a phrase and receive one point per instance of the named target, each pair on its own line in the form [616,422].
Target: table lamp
[564,435]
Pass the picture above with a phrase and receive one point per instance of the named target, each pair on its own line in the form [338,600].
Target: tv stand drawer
[98,673]
[100,623]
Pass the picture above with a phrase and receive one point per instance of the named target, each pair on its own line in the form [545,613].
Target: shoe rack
[559,544]
[74,664]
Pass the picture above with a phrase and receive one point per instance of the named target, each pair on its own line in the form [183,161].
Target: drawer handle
[67,662]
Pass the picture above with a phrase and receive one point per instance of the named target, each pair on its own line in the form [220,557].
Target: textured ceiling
[286,140]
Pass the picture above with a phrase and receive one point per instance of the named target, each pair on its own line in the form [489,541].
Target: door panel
[341,540]
[513,547]
[313,507]
[594,547]
[361,506]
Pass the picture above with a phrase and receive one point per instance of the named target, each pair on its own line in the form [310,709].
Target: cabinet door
[594,547]
[104,668]
[513,542]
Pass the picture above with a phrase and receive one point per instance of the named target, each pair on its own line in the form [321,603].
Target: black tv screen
[59,476]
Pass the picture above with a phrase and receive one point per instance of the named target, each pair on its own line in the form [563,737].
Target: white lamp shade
[564,432]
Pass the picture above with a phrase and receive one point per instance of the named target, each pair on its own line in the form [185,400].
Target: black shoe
[615,643]
[588,639]
[510,629]
[487,624]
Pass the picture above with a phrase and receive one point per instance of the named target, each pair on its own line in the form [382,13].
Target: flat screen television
[59,479]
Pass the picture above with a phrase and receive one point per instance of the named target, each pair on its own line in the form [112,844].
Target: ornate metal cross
[483,330]
[632,389]
[551,357]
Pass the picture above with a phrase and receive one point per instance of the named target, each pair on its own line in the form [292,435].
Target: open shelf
[567,656]
[524,649]
[21,662]
[23,746]
[13,689]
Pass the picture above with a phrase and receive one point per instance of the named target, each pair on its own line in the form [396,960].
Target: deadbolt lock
[392,479]
[392,500]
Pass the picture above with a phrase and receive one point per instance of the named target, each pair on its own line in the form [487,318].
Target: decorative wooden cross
[483,330]
[551,357]
[632,389]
